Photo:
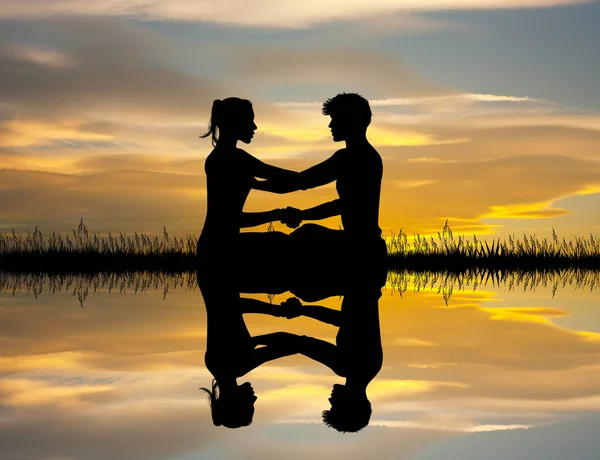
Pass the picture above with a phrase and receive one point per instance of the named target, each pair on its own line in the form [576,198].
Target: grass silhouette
[443,283]
[529,253]
[82,252]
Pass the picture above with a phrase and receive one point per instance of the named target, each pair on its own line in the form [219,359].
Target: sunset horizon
[481,114]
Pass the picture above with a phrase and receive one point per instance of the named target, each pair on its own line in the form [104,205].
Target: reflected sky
[119,378]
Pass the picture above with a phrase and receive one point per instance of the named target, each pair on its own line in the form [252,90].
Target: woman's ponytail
[215,121]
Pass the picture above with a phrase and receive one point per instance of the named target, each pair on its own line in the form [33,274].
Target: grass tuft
[80,251]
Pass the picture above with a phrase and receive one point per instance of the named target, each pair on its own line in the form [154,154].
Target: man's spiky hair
[346,421]
[349,104]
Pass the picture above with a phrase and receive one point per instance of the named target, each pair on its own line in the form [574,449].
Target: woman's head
[234,408]
[232,118]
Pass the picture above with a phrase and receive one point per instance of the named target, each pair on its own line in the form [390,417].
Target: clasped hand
[290,308]
[292,217]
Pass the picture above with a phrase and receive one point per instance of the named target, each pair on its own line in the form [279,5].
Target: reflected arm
[318,350]
[252,219]
[269,353]
[323,314]
[257,306]
[278,345]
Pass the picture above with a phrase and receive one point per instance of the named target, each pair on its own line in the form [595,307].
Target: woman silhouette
[231,173]
[231,352]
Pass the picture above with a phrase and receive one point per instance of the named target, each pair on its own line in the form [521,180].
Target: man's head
[350,115]
[350,411]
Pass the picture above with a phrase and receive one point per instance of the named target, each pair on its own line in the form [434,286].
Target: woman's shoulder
[243,154]
[230,361]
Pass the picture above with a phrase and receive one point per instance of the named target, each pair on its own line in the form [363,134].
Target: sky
[486,113]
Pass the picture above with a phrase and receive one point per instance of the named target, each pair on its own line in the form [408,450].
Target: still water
[496,372]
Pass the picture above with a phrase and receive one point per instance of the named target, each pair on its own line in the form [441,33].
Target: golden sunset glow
[486,115]
[479,355]
[23,133]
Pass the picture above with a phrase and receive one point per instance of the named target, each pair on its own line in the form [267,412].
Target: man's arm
[320,174]
[315,176]
[322,211]
[292,308]
[252,219]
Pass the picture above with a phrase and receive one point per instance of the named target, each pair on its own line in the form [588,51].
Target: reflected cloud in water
[127,368]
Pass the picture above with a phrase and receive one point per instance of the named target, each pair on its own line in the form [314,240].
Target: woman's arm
[279,344]
[315,176]
[320,351]
[257,306]
[323,314]
[263,170]
[287,185]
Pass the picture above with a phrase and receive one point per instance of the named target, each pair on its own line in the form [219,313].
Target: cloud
[420,101]
[142,431]
[380,74]
[516,187]
[107,123]
[576,438]
[104,199]
[30,133]
[21,53]
[260,13]
[143,192]
[113,67]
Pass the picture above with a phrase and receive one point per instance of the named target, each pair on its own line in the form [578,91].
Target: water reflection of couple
[231,352]
[357,254]
[231,173]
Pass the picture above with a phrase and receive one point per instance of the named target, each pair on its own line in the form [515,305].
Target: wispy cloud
[416,101]
[380,73]
[284,13]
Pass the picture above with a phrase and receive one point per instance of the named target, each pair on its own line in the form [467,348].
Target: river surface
[495,372]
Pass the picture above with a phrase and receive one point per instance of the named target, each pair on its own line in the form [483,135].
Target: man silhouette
[357,354]
[357,170]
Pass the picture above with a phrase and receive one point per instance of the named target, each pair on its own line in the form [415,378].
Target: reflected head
[349,412]
[233,409]
[232,117]
[350,113]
